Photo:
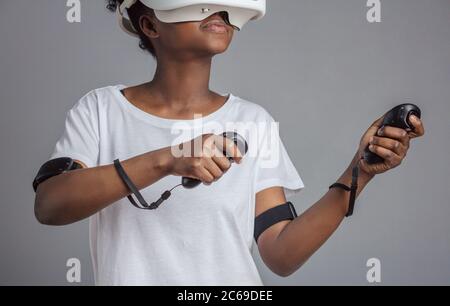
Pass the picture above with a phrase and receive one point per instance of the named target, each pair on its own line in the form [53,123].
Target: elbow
[42,214]
[285,274]
[281,263]
[41,218]
[284,267]
[283,270]
[45,212]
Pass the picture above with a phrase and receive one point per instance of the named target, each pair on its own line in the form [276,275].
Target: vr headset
[172,11]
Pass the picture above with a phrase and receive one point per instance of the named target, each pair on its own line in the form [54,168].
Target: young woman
[201,236]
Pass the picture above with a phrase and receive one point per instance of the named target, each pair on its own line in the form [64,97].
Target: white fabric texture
[201,236]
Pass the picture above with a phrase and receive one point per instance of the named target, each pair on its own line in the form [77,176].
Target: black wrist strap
[352,189]
[273,216]
[133,189]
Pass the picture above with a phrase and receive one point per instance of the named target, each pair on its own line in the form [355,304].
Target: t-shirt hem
[293,187]
[76,156]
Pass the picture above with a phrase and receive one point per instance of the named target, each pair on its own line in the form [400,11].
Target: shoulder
[95,100]
[251,110]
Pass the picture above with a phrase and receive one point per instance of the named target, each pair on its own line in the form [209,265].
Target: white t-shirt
[201,236]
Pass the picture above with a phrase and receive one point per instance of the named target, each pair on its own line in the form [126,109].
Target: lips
[214,24]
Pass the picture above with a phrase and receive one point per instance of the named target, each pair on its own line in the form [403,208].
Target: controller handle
[396,117]
[239,141]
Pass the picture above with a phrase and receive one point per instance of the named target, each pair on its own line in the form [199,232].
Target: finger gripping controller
[238,140]
[396,117]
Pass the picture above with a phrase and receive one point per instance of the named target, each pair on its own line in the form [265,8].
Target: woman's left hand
[390,143]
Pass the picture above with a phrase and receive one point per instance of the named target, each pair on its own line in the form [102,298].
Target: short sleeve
[80,140]
[274,167]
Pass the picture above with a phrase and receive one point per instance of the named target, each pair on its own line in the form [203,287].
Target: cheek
[175,35]
[215,43]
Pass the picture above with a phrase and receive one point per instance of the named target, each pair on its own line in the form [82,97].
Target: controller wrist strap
[134,190]
[352,189]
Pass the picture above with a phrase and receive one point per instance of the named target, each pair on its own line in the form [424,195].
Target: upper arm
[265,200]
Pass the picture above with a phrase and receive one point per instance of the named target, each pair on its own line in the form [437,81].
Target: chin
[218,48]
[217,45]
[209,50]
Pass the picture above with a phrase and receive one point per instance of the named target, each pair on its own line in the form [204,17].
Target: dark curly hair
[135,12]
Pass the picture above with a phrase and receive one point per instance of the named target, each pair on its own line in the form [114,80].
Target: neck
[183,82]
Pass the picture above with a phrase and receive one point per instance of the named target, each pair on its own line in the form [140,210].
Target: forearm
[306,234]
[76,195]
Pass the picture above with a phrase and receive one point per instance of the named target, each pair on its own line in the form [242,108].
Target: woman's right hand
[203,158]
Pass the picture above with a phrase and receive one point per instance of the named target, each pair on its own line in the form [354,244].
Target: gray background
[318,66]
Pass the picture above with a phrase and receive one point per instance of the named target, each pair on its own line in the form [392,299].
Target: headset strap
[126,4]
[124,22]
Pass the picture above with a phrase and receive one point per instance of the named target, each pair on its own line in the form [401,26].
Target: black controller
[396,117]
[241,144]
